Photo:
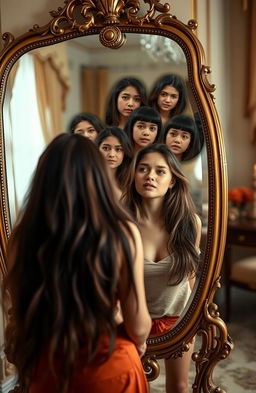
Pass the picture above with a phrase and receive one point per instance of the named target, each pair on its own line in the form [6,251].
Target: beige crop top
[163,299]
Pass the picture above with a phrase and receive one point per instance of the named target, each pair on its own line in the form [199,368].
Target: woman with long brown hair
[158,196]
[73,254]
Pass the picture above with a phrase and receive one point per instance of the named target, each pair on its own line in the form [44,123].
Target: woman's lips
[148,186]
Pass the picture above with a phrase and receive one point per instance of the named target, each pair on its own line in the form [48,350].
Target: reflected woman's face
[128,100]
[112,151]
[86,129]
[168,98]
[178,141]
[153,177]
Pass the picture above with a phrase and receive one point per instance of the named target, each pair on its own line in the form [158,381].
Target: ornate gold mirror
[90,30]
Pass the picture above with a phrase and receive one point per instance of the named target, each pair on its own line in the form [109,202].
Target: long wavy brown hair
[65,255]
[178,212]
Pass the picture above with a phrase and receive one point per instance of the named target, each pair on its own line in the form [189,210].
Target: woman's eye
[153,129]
[138,99]
[172,134]
[91,130]
[105,148]
[119,150]
[163,94]
[125,97]
[142,169]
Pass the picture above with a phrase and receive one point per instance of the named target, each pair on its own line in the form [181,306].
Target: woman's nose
[150,175]
[145,131]
[130,102]
[177,138]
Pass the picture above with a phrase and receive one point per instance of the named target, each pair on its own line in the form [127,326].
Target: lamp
[162,47]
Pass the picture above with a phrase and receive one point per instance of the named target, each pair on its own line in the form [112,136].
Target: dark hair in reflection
[185,123]
[144,113]
[112,114]
[178,211]
[175,81]
[95,122]
[64,256]
[121,172]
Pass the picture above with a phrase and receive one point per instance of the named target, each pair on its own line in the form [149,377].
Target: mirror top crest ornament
[81,15]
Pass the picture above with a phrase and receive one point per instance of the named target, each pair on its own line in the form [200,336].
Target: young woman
[125,96]
[87,125]
[115,146]
[182,136]
[168,96]
[158,196]
[73,255]
[143,127]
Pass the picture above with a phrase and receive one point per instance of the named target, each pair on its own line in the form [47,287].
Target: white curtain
[23,135]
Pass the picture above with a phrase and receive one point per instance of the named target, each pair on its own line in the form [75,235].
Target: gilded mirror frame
[110,20]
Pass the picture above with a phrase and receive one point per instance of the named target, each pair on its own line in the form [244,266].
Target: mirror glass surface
[83,71]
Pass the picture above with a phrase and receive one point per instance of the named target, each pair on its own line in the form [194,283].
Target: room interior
[224,33]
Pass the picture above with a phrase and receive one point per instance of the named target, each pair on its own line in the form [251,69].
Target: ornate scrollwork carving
[216,345]
[151,367]
[179,353]
[7,38]
[205,71]
[81,14]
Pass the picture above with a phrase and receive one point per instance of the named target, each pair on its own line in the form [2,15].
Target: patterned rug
[236,373]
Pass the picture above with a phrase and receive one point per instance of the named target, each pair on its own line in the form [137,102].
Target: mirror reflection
[49,86]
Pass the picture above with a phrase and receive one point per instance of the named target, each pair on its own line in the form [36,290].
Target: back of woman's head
[178,212]
[144,113]
[92,119]
[185,123]
[175,81]
[112,116]
[64,254]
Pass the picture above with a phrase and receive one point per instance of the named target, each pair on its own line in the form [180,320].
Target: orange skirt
[121,373]
[162,325]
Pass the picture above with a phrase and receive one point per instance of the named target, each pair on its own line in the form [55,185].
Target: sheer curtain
[33,108]
[24,140]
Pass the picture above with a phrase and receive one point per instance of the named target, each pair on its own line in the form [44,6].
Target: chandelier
[162,47]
